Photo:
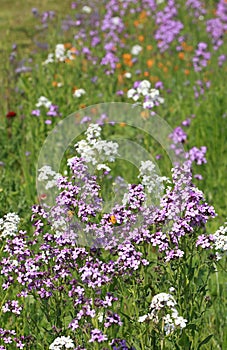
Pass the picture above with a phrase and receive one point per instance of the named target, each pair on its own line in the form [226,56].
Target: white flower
[142,318]
[50,59]
[100,316]
[220,239]
[95,150]
[150,179]
[9,225]
[148,105]
[180,321]
[43,101]
[131,93]
[116,20]
[60,52]
[86,9]
[136,49]
[128,75]
[168,324]
[103,167]
[47,174]
[165,301]
[143,87]
[79,92]
[61,342]
[93,133]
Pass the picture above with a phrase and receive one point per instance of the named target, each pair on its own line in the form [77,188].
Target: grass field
[102,51]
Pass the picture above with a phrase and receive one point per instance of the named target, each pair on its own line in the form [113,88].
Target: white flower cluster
[136,49]
[43,101]
[49,175]
[62,343]
[95,150]
[79,92]
[220,241]
[150,97]
[150,179]
[172,320]
[60,55]
[9,225]
[86,9]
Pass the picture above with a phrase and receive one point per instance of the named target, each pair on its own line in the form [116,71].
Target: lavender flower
[201,58]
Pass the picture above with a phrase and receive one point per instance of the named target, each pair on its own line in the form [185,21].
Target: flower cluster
[196,7]
[216,241]
[94,150]
[201,58]
[48,175]
[79,92]
[216,29]
[152,182]
[168,27]
[9,225]
[162,308]
[62,343]
[60,54]
[53,110]
[11,337]
[200,87]
[142,92]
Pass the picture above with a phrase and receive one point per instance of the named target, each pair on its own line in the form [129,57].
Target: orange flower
[160,65]
[142,15]
[67,60]
[54,83]
[118,65]
[141,38]
[113,219]
[83,106]
[127,56]
[176,68]
[186,71]
[136,23]
[146,74]
[150,63]
[73,50]
[149,47]
[122,124]
[67,45]
[165,69]
[181,55]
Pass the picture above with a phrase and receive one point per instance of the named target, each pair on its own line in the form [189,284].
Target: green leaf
[205,341]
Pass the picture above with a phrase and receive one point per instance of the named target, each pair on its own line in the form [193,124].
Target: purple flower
[178,135]
[48,121]
[216,29]
[197,155]
[221,60]
[97,336]
[201,58]
[36,112]
[53,111]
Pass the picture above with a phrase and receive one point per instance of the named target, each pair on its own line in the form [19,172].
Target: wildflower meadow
[113,205]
